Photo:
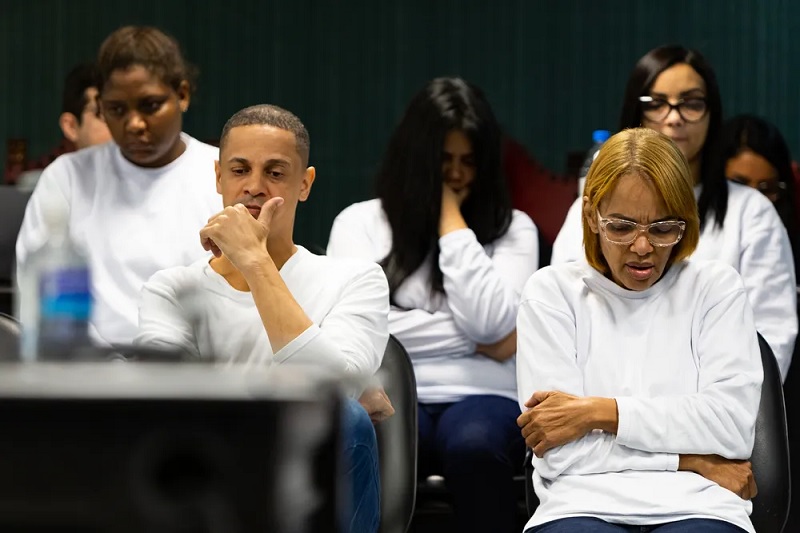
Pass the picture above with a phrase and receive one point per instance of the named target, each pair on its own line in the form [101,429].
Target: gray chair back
[9,338]
[397,440]
[770,457]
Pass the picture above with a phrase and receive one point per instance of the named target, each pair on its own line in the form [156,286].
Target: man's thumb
[268,209]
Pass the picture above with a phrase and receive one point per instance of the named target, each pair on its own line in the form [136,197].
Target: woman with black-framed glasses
[673,90]
[640,371]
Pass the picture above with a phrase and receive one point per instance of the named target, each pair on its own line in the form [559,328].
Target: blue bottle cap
[600,136]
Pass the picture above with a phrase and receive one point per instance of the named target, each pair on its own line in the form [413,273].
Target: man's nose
[255,185]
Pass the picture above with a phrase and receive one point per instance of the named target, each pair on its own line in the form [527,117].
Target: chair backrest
[9,338]
[531,500]
[12,209]
[770,458]
[397,440]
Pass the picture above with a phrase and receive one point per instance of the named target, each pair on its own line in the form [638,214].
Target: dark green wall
[554,70]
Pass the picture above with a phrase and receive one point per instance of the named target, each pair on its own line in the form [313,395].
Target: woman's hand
[557,418]
[734,475]
[451,218]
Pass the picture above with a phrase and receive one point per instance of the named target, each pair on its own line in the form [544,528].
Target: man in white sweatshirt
[262,300]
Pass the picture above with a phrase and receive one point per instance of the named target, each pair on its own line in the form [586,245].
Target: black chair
[770,457]
[397,440]
[9,337]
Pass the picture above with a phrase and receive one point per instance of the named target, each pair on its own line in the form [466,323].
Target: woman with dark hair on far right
[751,151]
[673,90]
[456,256]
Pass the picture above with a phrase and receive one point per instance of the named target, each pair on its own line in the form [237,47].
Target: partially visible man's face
[92,128]
[260,162]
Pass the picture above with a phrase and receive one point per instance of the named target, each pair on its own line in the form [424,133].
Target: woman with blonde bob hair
[667,168]
[639,371]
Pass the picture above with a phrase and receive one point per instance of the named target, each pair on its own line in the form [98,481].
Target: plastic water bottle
[598,138]
[55,299]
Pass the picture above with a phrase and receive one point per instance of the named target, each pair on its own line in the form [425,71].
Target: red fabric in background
[542,194]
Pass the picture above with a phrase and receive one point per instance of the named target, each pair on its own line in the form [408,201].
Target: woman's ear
[590,215]
[184,95]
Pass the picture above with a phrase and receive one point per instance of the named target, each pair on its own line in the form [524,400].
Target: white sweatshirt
[131,222]
[196,310]
[482,286]
[683,362]
[753,241]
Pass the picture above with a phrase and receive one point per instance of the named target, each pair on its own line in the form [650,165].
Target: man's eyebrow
[241,160]
[278,161]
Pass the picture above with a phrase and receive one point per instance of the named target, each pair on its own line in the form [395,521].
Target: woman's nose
[135,122]
[673,117]
[641,245]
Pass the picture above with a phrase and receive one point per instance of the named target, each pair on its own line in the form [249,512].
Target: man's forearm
[283,318]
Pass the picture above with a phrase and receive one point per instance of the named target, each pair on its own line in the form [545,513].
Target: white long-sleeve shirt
[194,309]
[754,241]
[482,286]
[130,221]
[682,360]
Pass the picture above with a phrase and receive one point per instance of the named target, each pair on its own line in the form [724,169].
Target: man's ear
[589,215]
[218,172]
[69,126]
[308,181]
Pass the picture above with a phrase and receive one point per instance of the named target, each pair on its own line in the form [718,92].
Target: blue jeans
[476,445]
[595,525]
[361,470]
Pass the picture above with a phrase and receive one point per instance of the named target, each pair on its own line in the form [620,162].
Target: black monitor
[124,448]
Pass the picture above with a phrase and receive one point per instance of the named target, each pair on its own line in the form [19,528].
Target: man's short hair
[270,115]
[73,97]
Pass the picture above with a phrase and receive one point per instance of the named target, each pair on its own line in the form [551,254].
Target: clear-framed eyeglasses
[624,232]
[690,109]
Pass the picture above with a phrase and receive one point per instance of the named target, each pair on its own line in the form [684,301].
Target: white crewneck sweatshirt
[753,241]
[682,360]
[482,286]
[196,310]
[130,221]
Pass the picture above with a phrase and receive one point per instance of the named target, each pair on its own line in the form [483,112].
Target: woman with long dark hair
[673,90]
[751,151]
[456,256]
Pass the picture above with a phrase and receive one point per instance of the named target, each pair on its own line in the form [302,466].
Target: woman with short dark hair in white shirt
[136,204]
[639,370]
[456,256]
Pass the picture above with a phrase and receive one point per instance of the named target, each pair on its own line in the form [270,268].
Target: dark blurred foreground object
[167,448]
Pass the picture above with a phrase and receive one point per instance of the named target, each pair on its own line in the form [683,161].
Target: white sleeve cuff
[624,415]
[457,239]
[296,344]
